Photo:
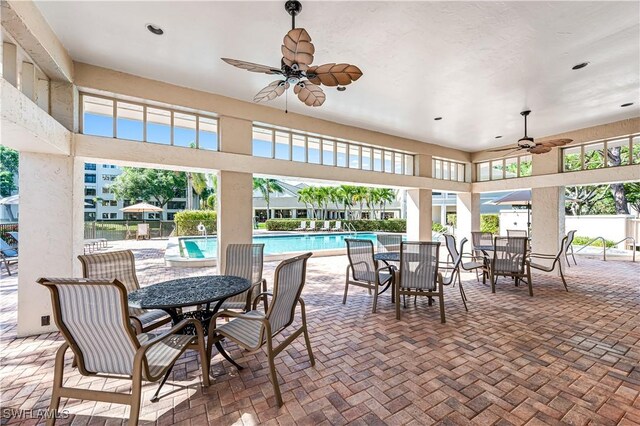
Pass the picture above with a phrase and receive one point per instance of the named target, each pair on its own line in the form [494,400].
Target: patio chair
[253,330]
[143,231]
[246,261]
[510,260]
[517,233]
[458,263]
[418,274]
[15,235]
[8,254]
[568,247]
[363,270]
[337,226]
[389,242]
[326,226]
[312,226]
[303,226]
[481,239]
[92,317]
[555,258]
[121,265]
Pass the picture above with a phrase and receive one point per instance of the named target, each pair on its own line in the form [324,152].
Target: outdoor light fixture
[626,105]
[438,118]
[580,66]
[154,29]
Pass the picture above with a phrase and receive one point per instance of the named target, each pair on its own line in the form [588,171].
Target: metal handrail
[351,228]
[604,246]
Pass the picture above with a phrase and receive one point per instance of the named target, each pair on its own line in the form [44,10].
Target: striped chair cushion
[419,265]
[370,277]
[288,281]
[118,265]
[161,355]
[148,316]
[93,315]
[246,261]
[247,333]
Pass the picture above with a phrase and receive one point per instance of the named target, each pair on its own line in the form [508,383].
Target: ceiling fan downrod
[525,114]
[293,8]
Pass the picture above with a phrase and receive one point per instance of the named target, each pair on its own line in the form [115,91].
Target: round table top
[189,291]
[389,256]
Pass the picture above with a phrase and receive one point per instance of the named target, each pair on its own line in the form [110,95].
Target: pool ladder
[351,228]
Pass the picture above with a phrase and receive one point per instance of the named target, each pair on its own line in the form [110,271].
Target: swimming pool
[207,247]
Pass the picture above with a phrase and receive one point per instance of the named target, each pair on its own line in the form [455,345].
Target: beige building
[63,65]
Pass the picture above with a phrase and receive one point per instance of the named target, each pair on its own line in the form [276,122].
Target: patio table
[389,256]
[172,295]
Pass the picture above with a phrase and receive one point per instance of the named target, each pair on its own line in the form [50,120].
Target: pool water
[201,247]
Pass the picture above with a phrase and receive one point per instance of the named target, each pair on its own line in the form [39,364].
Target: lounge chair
[337,226]
[121,265]
[253,330]
[418,274]
[312,226]
[93,318]
[363,270]
[143,231]
[303,226]
[8,254]
[326,226]
[245,260]
[14,235]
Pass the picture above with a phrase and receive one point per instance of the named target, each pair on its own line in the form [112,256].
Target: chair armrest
[254,304]
[391,268]
[182,324]
[542,255]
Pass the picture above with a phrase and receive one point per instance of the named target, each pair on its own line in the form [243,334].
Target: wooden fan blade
[272,91]
[504,149]
[309,93]
[540,149]
[297,48]
[555,142]
[333,74]
[250,66]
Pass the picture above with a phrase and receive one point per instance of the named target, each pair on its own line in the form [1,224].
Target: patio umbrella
[141,208]
[516,198]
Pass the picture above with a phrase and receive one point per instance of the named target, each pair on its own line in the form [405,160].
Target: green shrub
[438,227]
[390,225]
[452,219]
[490,223]
[580,241]
[187,221]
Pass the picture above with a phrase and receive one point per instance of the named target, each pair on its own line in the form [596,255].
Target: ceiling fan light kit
[296,69]
[527,143]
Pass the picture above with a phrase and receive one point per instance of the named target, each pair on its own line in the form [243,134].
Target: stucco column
[51,227]
[467,214]
[547,219]
[419,215]
[235,221]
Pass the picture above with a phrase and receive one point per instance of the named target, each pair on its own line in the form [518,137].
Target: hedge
[389,225]
[580,241]
[187,221]
[490,223]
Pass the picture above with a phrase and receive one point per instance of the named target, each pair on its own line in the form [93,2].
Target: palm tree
[360,196]
[387,195]
[199,185]
[305,195]
[266,188]
[335,196]
[373,199]
[322,197]
[347,193]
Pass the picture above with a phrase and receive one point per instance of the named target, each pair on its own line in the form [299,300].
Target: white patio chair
[93,318]
[326,226]
[312,226]
[246,261]
[303,226]
[337,226]
[253,330]
[143,231]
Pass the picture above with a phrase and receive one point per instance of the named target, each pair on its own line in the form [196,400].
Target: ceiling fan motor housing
[526,143]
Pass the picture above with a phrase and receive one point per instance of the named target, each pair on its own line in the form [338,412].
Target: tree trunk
[620,198]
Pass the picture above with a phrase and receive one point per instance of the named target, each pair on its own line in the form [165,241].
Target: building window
[89,178]
[97,116]
[176,205]
[90,203]
[109,178]
[170,216]
[154,216]
[106,190]
[505,168]
[448,170]
[89,216]
[91,192]
[621,151]
[130,122]
[89,166]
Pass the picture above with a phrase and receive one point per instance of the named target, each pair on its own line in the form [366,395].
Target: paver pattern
[556,358]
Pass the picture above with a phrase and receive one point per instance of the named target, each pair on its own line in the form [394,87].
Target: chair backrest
[312,224]
[481,238]
[245,260]
[389,242]
[419,265]
[7,250]
[360,254]
[288,281]
[92,316]
[119,265]
[326,224]
[338,224]
[303,224]
[516,233]
[450,243]
[509,255]
[569,239]
[143,229]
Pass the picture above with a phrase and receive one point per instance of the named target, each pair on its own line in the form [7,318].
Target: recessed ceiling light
[498,137]
[627,104]
[341,88]
[438,118]
[154,29]
[580,66]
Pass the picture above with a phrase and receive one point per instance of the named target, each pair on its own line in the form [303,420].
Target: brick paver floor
[556,358]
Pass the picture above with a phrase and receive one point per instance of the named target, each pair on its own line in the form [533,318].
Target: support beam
[467,214]
[419,214]
[51,232]
[547,219]
[28,80]
[10,63]
[235,212]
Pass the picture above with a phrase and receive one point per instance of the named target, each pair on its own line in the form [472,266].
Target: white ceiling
[476,64]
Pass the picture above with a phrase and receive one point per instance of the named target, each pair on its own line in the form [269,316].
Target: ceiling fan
[527,143]
[296,69]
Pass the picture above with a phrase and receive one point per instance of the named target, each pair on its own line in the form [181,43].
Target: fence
[114,230]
